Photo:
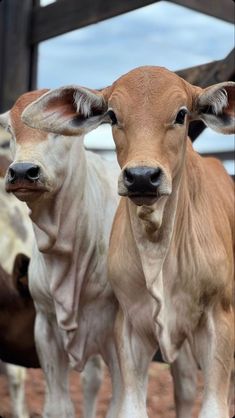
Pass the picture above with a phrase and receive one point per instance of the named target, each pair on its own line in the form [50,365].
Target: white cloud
[159,34]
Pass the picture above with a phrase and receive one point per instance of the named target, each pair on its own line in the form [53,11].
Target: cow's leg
[231,387]
[111,359]
[184,374]
[17,376]
[91,381]
[54,363]
[134,354]
[214,345]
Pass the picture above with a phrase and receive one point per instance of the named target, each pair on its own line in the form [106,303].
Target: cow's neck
[191,211]
[189,191]
[152,229]
[55,216]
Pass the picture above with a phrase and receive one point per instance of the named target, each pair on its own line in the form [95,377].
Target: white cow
[17,312]
[72,197]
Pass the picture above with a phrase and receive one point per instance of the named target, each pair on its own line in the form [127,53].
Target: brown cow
[17,315]
[171,251]
[17,346]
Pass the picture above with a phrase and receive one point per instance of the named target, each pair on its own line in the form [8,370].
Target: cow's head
[40,159]
[149,110]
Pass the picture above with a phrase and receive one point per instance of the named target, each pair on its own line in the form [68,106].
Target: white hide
[68,272]
[17,236]
[17,376]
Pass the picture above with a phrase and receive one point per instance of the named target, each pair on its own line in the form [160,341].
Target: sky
[161,34]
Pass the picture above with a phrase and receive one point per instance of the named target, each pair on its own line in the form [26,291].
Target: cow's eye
[112,117]
[180,118]
[5,144]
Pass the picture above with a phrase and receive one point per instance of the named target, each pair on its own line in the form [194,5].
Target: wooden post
[222,9]
[65,15]
[17,55]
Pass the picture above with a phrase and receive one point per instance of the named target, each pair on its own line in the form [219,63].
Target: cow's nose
[23,171]
[142,179]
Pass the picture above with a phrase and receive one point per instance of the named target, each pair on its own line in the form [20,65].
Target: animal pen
[24,24]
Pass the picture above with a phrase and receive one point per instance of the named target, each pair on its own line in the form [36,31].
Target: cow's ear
[20,275]
[215,105]
[4,120]
[67,111]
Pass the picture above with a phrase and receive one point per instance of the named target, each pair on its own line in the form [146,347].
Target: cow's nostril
[11,175]
[155,177]
[32,173]
[128,177]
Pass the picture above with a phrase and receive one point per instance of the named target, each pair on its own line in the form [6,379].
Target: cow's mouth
[143,199]
[26,191]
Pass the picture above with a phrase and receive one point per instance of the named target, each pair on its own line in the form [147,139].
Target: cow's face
[38,157]
[149,110]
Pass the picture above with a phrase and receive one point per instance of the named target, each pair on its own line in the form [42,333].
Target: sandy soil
[160,395]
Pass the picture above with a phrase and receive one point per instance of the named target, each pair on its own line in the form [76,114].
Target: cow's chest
[87,323]
[39,284]
[95,321]
[187,293]
[129,285]
[171,310]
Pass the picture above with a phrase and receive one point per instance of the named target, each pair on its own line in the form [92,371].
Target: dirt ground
[160,394]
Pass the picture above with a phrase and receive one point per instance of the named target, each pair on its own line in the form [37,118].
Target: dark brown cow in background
[17,315]
[17,347]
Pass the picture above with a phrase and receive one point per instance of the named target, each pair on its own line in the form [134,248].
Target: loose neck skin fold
[55,215]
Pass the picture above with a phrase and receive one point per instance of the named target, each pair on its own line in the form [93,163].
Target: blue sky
[160,34]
